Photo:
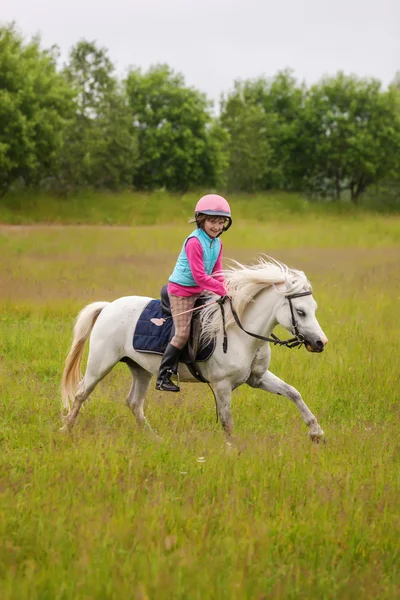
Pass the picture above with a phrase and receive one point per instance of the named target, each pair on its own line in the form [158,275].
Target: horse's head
[296,313]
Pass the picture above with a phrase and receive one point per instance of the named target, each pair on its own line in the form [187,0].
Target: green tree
[396,81]
[90,72]
[179,145]
[35,104]
[249,148]
[349,136]
[261,117]
[101,148]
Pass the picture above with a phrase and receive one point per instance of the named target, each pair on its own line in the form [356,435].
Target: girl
[197,269]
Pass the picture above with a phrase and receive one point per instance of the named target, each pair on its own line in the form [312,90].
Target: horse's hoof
[316,434]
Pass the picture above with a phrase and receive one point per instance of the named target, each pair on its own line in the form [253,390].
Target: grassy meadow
[161,207]
[108,513]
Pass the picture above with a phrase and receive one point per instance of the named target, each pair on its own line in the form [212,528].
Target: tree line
[81,126]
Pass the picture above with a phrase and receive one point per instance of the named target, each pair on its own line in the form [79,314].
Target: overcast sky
[214,42]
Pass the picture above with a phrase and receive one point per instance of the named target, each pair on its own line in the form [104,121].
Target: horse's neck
[259,315]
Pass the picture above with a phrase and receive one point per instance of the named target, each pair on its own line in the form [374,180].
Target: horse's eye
[301,313]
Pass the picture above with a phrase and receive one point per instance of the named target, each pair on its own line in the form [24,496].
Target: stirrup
[166,385]
[166,381]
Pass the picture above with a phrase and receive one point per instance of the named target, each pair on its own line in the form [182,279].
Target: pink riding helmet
[215,206]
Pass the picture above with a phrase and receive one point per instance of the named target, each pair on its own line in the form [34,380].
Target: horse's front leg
[271,383]
[223,394]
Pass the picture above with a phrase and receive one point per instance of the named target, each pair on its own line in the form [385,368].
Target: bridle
[298,335]
[295,342]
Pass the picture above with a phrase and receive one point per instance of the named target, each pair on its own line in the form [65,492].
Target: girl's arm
[194,252]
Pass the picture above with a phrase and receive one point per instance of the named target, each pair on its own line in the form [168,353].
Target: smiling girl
[198,268]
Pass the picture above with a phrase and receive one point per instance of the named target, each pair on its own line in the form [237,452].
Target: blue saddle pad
[153,338]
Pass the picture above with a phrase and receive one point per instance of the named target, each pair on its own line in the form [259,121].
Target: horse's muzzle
[317,346]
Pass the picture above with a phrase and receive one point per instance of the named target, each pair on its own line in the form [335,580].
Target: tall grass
[107,513]
[136,208]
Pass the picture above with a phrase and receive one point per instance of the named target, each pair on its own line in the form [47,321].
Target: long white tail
[72,372]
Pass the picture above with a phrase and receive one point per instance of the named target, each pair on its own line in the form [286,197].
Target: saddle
[153,338]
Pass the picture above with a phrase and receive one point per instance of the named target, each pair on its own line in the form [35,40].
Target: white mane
[244,283]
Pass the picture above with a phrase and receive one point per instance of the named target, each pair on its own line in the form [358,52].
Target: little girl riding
[198,268]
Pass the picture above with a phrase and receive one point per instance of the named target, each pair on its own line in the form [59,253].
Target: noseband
[295,342]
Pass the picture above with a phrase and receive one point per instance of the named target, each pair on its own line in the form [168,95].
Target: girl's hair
[202,218]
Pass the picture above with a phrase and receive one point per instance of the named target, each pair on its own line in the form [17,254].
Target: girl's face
[214,225]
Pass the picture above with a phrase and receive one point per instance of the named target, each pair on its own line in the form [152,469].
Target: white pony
[263,295]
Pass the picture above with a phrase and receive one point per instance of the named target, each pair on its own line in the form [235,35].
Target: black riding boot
[169,364]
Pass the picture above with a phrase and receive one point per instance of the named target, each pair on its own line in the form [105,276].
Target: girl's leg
[170,360]
[182,319]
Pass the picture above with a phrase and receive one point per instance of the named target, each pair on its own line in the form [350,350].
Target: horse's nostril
[319,345]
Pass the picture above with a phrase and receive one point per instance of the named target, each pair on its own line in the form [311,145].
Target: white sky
[214,42]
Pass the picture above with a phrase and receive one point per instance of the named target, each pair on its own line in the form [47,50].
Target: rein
[295,342]
[162,320]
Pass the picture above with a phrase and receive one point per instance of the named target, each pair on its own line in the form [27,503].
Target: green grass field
[161,207]
[108,513]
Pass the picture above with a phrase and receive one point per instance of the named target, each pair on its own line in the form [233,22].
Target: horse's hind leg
[140,385]
[96,370]
[79,399]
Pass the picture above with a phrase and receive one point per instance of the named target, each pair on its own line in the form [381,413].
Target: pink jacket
[212,283]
